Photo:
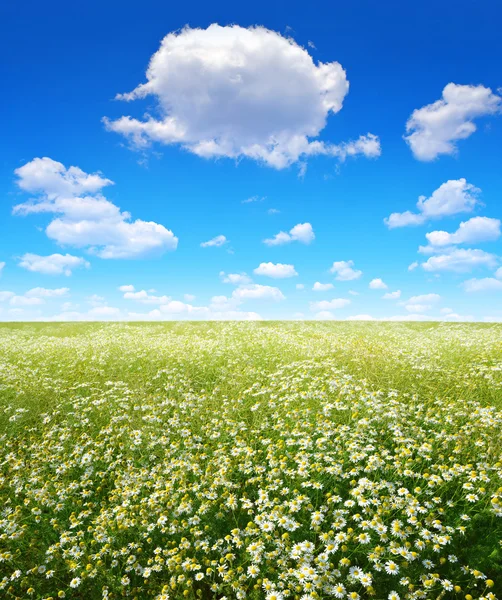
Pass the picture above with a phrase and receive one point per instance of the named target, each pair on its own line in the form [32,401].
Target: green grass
[176,459]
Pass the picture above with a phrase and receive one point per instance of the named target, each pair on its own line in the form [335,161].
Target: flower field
[251,460]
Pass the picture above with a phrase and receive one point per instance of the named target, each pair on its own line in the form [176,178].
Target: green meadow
[251,460]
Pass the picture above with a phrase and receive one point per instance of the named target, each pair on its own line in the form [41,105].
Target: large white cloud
[477,229]
[276,271]
[303,233]
[452,197]
[236,92]
[435,128]
[54,264]
[86,219]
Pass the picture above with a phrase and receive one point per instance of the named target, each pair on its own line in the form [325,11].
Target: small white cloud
[452,197]
[322,287]
[2,265]
[302,233]
[235,278]
[424,298]
[257,292]
[25,301]
[300,286]
[435,128]
[392,295]
[85,218]
[126,288]
[217,241]
[276,271]
[344,270]
[106,312]
[273,211]
[145,298]
[353,293]
[460,261]
[253,199]
[417,308]
[329,304]
[377,284]
[54,264]
[41,292]
[487,284]
[477,229]
[413,266]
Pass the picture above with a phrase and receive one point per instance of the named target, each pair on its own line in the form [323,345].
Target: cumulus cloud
[235,278]
[486,284]
[54,264]
[477,229]
[452,197]
[435,128]
[25,300]
[329,304]
[235,92]
[429,298]
[377,284]
[417,308]
[392,295]
[422,303]
[85,218]
[322,287]
[258,292]
[217,241]
[145,298]
[460,260]
[302,233]
[276,271]
[126,288]
[344,270]
[220,308]
[40,292]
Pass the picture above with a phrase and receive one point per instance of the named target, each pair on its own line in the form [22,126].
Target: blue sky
[329,117]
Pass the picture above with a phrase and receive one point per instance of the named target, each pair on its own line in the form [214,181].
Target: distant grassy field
[251,460]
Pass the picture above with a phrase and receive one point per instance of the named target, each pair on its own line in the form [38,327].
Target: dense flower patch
[251,461]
